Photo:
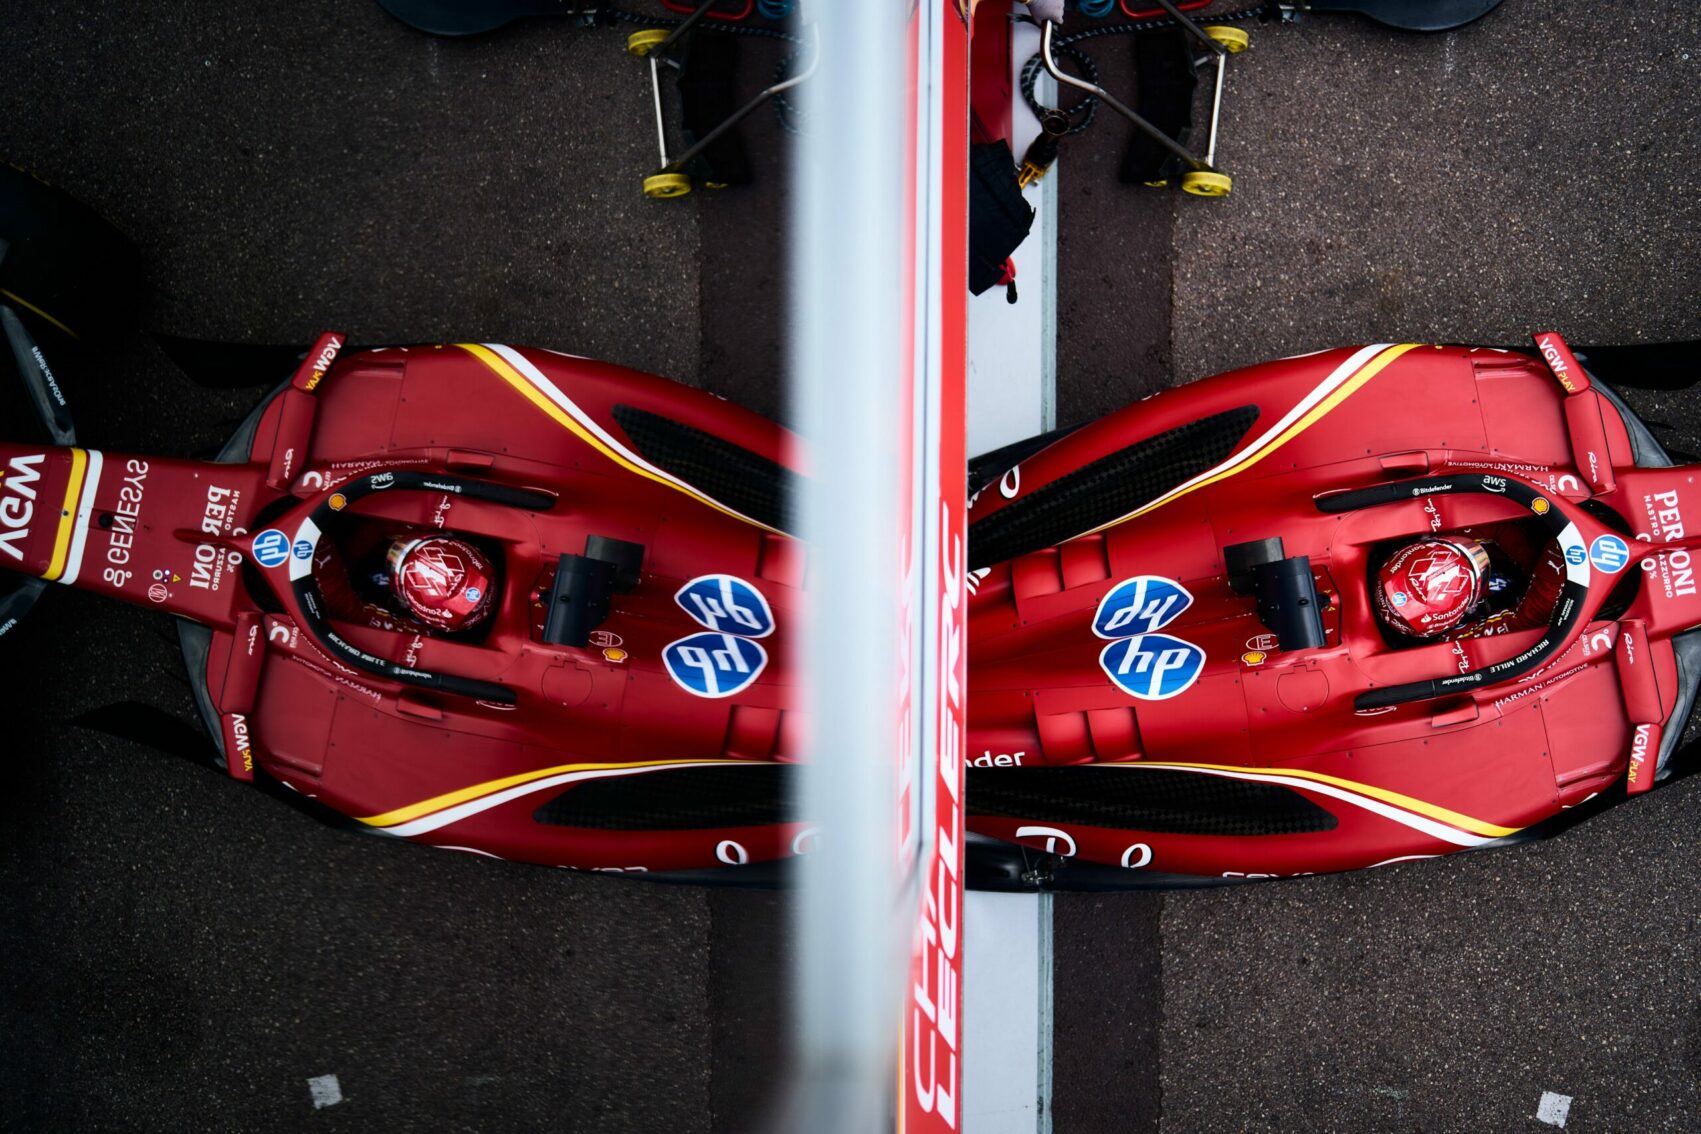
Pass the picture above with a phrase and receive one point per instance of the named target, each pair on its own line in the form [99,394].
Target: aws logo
[17,503]
[1141,662]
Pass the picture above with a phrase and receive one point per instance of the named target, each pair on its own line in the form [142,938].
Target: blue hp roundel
[1139,606]
[271,548]
[1152,667]
[1575,555]
[728,605]
[714,665]
[1609,553]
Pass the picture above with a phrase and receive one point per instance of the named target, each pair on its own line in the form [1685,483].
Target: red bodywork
[1422,777]
[445,767]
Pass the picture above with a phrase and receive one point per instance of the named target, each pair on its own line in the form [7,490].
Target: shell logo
[1254,657]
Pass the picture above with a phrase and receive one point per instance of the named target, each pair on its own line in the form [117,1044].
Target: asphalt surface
[183,953]
[1533,171]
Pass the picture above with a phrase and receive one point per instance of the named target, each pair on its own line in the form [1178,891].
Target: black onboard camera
[1288,602]
[585,585]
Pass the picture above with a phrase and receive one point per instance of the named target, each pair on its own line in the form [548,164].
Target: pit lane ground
[184,954]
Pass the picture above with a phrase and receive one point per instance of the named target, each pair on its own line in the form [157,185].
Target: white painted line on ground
[1007,938]
[326,1091]
[1553,1108]
[1012,359]
[1003,994]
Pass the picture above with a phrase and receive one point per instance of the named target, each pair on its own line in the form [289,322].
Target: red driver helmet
[444,582]
[1428,587]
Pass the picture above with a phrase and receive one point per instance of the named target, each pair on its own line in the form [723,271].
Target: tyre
[64,266]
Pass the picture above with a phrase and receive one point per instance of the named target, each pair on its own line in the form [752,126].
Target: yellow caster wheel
[1232,40]
[1158,184]
[661,186]
[641,43]
[1204,183]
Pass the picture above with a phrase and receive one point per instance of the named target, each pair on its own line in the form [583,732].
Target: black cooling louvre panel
[1111,486]
[677,799]
[1161,800]
[744,481]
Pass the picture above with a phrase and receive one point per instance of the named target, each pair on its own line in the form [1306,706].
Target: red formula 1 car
[1272,623]
[1278,622]
[495,598]
[622,702]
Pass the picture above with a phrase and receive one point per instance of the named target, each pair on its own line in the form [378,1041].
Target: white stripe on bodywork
[473,807]
[1420,823]
[1336,379]
[524,367]
[85,508]
[1402,858]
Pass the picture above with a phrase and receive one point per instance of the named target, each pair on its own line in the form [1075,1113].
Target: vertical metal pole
[848,286]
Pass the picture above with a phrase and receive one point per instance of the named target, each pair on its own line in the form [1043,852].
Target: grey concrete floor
[1536,170]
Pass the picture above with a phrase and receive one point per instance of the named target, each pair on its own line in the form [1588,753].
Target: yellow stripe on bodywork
[1431,810]
[514,378]
[68,517]
[1252,456]
[467,794]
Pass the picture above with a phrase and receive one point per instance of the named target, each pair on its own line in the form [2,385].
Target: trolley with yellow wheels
[1232,39]
[641,43]
[667,47]
[665,186]
[1199,174]
[1206,183]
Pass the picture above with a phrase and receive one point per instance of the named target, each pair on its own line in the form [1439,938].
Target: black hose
[1083,110]
[791,116]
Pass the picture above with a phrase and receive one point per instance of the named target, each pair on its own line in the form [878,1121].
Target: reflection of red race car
[617,701]
[1176,669]
[624,705]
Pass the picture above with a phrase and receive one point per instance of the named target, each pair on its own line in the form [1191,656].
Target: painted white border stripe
[1405,818]
[473,807]
[85,508]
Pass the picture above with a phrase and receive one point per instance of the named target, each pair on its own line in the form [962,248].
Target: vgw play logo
[726,659]
[1140,661]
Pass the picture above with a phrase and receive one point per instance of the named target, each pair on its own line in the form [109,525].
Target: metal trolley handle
[657,184]
[311,603]
[1194,162]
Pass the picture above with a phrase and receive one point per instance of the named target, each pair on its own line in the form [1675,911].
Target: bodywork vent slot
[1162,800]
[1107,488]
[746,482]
